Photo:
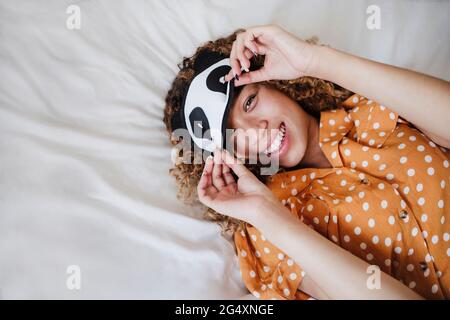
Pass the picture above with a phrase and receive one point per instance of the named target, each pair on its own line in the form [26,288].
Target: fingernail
[209,158]
[246,70]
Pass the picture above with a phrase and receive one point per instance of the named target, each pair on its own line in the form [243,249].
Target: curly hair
[312,94]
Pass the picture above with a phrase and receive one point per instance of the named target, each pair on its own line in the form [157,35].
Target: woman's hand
[286,56]
[244,199]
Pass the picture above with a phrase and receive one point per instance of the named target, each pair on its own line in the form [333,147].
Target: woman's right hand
[286,56]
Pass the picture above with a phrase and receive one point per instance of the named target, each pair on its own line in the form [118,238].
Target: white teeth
[276,143]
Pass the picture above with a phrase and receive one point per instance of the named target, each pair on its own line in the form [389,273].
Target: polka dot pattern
[384,200]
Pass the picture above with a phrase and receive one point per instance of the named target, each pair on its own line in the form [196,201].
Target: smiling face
[269,121]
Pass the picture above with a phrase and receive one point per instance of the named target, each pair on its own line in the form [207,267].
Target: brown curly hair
[313,95]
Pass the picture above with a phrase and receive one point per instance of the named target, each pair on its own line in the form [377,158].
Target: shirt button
[403,214]
[423,265]
[365,181]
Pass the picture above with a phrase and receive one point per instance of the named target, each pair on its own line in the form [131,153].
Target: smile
[279,141]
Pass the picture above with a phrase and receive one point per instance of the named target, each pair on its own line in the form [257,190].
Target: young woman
[364,184]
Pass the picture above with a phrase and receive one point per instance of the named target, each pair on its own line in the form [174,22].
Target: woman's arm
[421,99]
[334,270]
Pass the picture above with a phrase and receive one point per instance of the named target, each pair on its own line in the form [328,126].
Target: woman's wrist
[268,212]
[323,62]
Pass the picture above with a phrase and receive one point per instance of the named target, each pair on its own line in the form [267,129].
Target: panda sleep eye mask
[207,103]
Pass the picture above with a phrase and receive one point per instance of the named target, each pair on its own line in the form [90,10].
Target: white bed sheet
[84,156]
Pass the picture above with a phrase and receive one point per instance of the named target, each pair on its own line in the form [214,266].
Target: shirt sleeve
[267,272]
[373,122]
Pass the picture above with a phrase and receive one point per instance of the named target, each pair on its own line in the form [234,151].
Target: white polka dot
[369,256]
[286,292]
[428,158]
[365,206]
[432,144]
[419,187]
[364,163]
[244,253]
[414,231]
[446,236]
[256,294]
[266,250]
[376,125]
[371,142]
[445,163]
[348,218]
[333,154]
[398,250]
[365,148]
[381,186]
[346,238]
[442,184]
[254,238]
[406,190]
[294,192]
[384,204]
[375,239]
[364,135]
[263,287]
[400,134]
[440,204]
[434,288]
[347,152]
[412,285]
[257,253]
[424,217]
[331,122]
[310,207]
[387,262]
[391,115]
[290,262]
[343,182]
[448,252]
[430,171]
[371,223]
[355,100]
[382,133]
[401,146]
[412,138]
[410,267]
[411,172]
[361,194]
[293,276]
[420,148]
[388,242]
[280,279]
[357,230]
[252,274]
[410,251]
[382,167]
[316,220]
[357,123]
[403,160]
[442,219]
[391,220]
[333,237]
[266,269]
[280,256]
[421,201]
[363,246]
[434,239]
[389,176]
[348,199]
[425,234]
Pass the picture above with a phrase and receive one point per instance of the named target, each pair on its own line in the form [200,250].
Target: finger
[228,177]
[234,61]
[235,164]
[205,186]
[248,53]
[217,177]
[240,47]
[253,76]
[250,43]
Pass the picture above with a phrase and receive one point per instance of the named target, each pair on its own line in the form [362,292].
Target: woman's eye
[248,103]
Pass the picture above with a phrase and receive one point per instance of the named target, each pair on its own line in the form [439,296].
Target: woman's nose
[263,124]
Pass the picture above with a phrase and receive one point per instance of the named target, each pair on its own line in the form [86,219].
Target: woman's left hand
[243,199]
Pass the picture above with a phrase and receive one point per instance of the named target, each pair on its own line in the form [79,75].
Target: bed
[84,155]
